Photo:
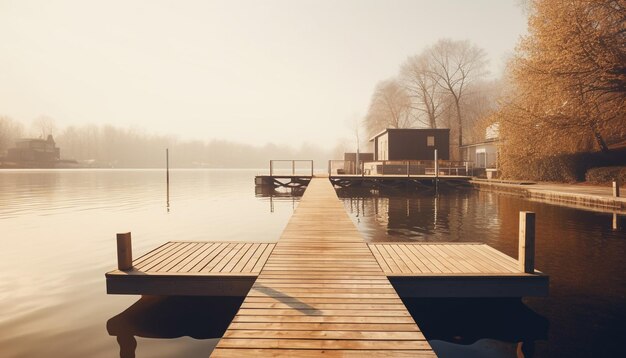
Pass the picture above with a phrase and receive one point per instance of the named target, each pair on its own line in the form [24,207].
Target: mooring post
[124,252]
[311,169]
[271,167]
[293,168]
[362,169]
[616,184]
[167,173]
[527,241]
[616,223]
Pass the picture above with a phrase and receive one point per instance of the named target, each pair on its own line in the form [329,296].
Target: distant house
[484,155]
[411,144]
[35,150]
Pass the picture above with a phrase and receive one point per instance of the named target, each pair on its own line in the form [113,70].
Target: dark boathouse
[411,144]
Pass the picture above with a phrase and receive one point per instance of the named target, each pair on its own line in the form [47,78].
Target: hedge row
[604,175]
[569,167]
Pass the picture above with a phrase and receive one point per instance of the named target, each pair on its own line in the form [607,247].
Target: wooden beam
[124,252]
[526,257]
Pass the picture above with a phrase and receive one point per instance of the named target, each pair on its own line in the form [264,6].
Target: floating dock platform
[189,268]
[321,290]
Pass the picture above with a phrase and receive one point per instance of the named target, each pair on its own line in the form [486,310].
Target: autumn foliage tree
[569,85]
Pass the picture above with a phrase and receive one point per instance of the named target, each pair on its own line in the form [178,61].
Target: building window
[430,141]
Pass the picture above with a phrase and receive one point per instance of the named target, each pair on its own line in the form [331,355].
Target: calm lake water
[585,314]
[58,239]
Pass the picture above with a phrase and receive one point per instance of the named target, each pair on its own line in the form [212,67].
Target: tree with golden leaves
[569,82]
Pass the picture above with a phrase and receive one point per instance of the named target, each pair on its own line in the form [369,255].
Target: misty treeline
[110,146]
[562,94]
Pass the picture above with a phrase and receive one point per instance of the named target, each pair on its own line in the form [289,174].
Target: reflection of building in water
[422,216]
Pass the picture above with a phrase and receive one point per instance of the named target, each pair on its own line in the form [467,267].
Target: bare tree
[10,130]
[390,107]
[455,65]
[423,88]
[44,126]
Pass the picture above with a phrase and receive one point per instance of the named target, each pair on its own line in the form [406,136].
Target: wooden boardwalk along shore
[322,292]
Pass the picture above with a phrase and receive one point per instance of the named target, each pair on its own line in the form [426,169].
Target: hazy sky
[247,71]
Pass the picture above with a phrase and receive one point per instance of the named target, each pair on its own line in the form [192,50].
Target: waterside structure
[321,289]
[35,153]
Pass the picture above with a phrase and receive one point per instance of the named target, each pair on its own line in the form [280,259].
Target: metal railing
[273,171]
[406,168]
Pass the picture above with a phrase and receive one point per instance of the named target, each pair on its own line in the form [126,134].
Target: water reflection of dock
[321,288]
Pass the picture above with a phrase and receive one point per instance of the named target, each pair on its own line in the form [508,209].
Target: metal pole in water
[167,176]
[436,172]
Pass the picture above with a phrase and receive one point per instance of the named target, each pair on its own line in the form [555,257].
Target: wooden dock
[193,268]
[321,291]
[455,270]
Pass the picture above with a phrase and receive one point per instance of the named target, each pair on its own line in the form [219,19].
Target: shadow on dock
[290,301]
[468,320]
[172,317]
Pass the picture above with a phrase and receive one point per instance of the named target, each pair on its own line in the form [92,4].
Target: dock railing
[293,169]
[406,168]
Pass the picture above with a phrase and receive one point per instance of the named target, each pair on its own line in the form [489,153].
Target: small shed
[412,144]
[483,154]
[353,166]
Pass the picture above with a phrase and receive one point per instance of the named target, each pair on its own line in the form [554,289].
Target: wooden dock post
[527,241]
[616,184]
[271,162]
[124,252]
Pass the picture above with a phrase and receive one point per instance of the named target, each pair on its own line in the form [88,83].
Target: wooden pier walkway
[321,289]
[322,292]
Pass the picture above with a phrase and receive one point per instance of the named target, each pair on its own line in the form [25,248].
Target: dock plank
[321,288]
